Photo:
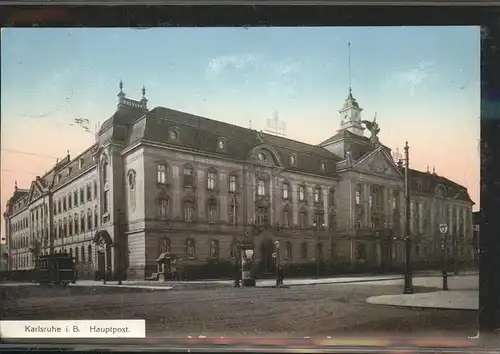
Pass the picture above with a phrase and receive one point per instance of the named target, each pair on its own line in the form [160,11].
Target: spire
[143,91]
[349,66]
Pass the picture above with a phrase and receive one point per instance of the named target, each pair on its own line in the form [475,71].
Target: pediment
[378,163]
[35,191]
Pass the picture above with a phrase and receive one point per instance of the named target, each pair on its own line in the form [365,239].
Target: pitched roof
[426,183]
[199,133]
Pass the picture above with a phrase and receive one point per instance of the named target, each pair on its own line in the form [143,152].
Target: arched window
[190,248]
[76,255]
[89,191]
[188,212]
[89,219]
[75,197]
[317,195]
[105,171]
[286,190]
[83,254]
[89,252]
[95,189]
[61,229]
[261,187]
[65,227]
[303,219]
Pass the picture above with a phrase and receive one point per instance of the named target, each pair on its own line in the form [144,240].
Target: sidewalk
[463,294]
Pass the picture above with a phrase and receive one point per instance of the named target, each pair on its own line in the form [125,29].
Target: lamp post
[443,229]
[277,256]
[408,285]
[316,225]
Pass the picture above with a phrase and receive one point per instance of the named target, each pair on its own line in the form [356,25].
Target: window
[89,252]
[161,174]
[361,251]
[80,164]
[164,204]
[302,192]
[293,160]
[82,195]
[71,252]
[190,248]
[332,222]
[286,218]
[188,176]
[319,251]
[70,201]
[96,218]
[76,255]
[221,144]
[70,225]
[77,224]
[173,134]
[89,192]
[83,254]
[75,197]
[302,219]
[333,251]
[358,196]
[214,249]
[105,201]
[288,250]
[82,222]
[212,212]
[323,166]
[317,195]
[59,209]
[331,197]
[232,183]
[286,190]
[95,190]
[89,219]
[188,213]
[303,250]
[211,178]
[165,246]
[55,208]
[262,216]
[261,187]
[105,172]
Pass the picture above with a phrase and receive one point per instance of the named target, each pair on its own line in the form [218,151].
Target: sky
[423,83]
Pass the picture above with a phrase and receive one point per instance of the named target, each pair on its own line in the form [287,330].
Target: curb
[413,307]
[332,283]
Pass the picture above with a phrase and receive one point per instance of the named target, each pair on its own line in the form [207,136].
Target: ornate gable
[379,163]
[35,191]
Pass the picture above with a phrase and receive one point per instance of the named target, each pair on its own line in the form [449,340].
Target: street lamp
[408,285]
[443,229]
[277,256]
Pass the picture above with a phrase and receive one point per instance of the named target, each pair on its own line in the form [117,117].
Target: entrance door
[386,256]
[101,265]
[267,260]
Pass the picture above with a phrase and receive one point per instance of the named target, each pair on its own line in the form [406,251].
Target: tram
[55,269]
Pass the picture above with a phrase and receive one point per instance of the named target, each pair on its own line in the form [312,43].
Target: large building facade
[162,180]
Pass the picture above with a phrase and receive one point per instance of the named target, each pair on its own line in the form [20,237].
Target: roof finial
[121,86]
[67,151]
[434,170]
[349,65]
[15,185]
[143,91]
[428,171]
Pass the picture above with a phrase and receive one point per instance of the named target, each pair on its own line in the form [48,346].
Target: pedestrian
[281,274]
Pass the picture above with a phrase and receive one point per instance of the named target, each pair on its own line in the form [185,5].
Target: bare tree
[36,249]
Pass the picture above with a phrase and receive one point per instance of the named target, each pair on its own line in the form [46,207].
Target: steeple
[350,112]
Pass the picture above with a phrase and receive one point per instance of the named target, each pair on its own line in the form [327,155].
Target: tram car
[55,269]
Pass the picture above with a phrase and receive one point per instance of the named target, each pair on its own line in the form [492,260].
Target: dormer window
[80,164]
[221,144]
[59,178]
[323,166]
[293,160]
[261,156]
[173,134]
[68,171]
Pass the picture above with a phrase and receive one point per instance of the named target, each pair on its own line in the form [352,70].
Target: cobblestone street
[304,311]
